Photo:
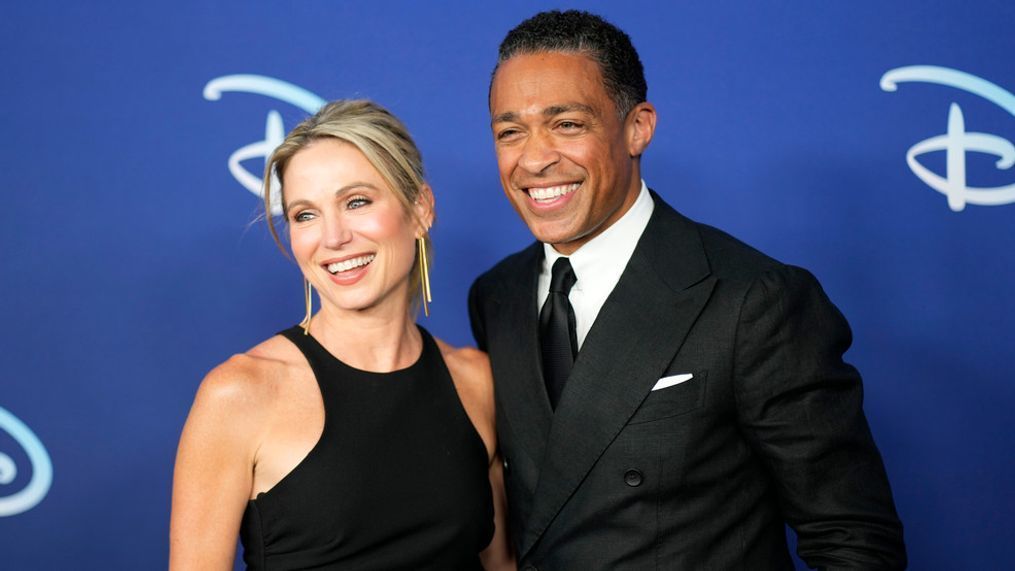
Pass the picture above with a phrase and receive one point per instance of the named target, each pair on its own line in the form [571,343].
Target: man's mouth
[544,194]
[336,268]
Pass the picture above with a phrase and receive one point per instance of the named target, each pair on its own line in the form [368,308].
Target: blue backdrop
[133,262]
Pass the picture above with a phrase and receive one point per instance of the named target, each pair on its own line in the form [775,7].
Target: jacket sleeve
[801,408]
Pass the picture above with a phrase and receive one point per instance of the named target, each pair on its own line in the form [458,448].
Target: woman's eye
[302,216]
[358,202]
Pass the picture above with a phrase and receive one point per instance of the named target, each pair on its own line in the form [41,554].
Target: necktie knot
[562,277]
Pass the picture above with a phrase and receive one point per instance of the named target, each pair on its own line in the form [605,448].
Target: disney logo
[274,132]
[956,142]
[42,467]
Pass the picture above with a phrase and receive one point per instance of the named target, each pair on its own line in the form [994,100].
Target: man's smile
[543,194]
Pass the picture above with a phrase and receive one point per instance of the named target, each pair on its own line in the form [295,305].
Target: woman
[354,440]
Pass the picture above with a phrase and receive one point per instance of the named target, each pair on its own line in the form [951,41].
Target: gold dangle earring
[308,298]
[424,274]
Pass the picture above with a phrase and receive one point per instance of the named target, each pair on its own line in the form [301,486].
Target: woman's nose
[336,232]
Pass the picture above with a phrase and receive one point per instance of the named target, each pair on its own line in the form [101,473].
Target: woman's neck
[376,339]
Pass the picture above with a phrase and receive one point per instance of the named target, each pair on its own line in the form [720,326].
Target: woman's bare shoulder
[247,382]
[468,365]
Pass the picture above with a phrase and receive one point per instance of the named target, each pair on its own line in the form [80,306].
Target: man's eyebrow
[551,111]
[567,108]
[506,117]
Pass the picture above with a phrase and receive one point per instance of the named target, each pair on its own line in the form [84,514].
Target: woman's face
[349,233]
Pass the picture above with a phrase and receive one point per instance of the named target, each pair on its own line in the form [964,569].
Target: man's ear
[424,208]
[640,126]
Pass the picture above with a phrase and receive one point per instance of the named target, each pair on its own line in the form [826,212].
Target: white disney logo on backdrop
[957,141]
[42,467]
[274,132]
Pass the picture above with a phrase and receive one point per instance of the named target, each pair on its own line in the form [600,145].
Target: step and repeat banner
[871,142]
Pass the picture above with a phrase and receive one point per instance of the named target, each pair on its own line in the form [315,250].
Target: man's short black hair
[575,31]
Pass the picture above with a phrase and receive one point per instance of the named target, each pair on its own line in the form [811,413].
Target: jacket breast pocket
[674,400]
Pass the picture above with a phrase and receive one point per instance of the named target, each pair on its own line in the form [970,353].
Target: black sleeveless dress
[398,479]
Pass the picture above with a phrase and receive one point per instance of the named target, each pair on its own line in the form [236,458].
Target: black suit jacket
[703,474]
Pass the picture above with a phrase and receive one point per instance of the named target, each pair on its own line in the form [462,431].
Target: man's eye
[569,125]
[507,134]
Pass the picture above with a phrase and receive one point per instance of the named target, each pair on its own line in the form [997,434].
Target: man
[667,397]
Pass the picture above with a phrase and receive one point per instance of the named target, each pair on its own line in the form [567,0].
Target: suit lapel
[520,390]
[638,331]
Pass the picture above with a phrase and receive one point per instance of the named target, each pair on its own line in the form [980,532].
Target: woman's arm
[214,470]
[498,555]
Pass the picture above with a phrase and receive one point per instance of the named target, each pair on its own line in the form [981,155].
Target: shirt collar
[606,255]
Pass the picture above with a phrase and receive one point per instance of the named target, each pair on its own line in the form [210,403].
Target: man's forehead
[546,84]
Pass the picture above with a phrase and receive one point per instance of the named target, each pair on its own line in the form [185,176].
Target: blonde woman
[354,440]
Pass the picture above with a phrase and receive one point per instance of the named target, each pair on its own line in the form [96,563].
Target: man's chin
[549,235]
[561,241]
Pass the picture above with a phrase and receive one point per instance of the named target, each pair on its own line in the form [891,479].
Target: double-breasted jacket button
[505,462]
[633,478]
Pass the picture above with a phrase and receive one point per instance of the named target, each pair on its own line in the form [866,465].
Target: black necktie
[557,330]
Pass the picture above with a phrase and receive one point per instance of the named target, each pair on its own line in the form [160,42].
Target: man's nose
[538,153]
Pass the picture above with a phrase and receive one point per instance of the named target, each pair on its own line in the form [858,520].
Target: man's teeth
[551,192]
[347,265]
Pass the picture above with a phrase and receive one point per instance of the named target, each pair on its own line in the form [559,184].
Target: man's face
[567,162]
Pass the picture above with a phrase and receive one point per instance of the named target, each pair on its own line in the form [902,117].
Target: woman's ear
[424,208]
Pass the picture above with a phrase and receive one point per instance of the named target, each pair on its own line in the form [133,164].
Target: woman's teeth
[551,192]
[350,264]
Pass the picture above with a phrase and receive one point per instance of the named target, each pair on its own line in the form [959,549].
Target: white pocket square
[672,380]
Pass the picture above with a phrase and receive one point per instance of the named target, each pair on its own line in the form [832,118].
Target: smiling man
[667,396]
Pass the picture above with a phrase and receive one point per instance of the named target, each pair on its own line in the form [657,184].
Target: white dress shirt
[598,264]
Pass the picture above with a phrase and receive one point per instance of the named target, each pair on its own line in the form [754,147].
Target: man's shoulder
[728,256]
[739,268]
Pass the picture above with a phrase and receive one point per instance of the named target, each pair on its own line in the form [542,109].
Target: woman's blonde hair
[382,139]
